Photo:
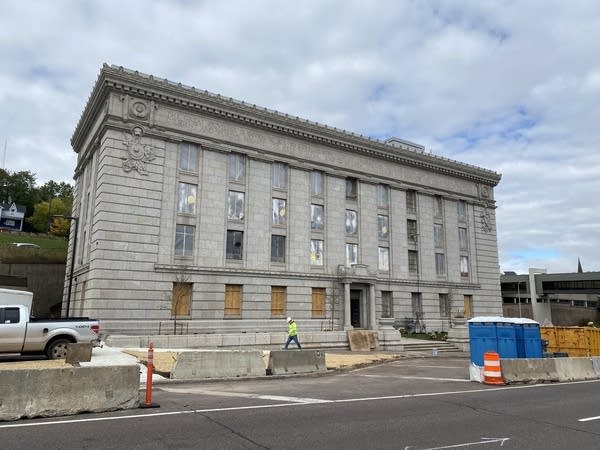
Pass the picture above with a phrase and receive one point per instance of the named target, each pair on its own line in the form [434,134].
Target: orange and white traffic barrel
[492,373]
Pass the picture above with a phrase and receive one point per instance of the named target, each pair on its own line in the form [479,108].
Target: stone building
[198,213]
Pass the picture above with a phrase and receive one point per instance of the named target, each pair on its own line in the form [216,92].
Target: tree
[52,189]
[41,219]
[18,187]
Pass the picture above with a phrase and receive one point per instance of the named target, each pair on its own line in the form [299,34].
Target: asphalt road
[412,403]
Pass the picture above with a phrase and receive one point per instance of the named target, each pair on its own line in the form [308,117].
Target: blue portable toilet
[482,337]
[529,339]
[492,334]
[507,339]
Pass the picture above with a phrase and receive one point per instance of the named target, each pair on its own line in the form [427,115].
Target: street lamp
[76,220]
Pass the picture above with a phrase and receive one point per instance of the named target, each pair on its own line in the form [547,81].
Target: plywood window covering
[181,299]
[318,302]
[233,299]
[277,301]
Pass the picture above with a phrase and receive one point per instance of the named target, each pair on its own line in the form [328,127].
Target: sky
[511,86]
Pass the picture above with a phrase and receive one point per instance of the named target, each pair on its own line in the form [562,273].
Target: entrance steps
[429,346]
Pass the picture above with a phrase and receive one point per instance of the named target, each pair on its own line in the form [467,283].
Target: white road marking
[484,441]
[243,395]
[589,419]
[295,404]
[405,377]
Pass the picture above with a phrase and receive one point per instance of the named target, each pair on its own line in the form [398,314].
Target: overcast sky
[510,86]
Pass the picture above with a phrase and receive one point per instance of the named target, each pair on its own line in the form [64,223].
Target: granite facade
[127,193]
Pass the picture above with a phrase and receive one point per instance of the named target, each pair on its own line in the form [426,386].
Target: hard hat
[289,319]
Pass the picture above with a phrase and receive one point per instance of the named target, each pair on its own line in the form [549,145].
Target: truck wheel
[57,349]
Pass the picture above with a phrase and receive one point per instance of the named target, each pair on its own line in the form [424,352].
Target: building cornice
[162,91]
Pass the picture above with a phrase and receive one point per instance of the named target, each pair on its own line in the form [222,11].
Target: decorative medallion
[138,153]
[139,109]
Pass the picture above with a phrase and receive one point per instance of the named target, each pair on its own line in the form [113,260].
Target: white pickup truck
[22,334]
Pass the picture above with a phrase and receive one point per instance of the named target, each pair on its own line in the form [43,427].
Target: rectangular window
[351,222]
[316,217]
[237,167]
[351,254]
[316,252]
[461,210]
[383,223]
[464,266]
[411,231]
[462,239]
[387,307]
[382,196]
[188,157]
[411,202]
[278,301]
[235,243]
[384,259]
[235,205]
[187,198]
[279,175]
[318,302]
[351,188]
[279,211]
[11,315]
[181,299]
[184,240]
[277,248]
[417,304]
[316,183]
[440,264]
[233,300]
[413,261]
[444,305]
[438,206]
[438,235]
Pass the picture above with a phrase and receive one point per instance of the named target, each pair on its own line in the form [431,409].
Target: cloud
[512,87]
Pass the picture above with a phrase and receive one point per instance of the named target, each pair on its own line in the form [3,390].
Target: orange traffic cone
[492,374]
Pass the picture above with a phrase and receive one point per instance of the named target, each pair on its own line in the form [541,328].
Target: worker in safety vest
[292,334]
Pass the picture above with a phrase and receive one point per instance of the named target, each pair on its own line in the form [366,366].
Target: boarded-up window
[468,303]
[181,299]
[387,307]
[277,300]
[318,302]
[233,299]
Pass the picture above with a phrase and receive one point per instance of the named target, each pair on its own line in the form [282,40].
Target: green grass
[53,250]
[43,240]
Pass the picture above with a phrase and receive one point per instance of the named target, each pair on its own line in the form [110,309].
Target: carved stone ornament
[138,153]
[486,221]
[139,109]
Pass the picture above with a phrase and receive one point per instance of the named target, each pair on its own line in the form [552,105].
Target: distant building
[12,216]
[231,217]
[571,298]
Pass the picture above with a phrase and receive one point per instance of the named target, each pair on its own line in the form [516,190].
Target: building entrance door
[355,308]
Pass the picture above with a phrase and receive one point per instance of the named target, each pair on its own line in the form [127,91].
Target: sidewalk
[164,359]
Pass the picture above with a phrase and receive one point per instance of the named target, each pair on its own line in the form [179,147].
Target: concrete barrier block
[218,364]
[528,370]
[79,352]
[282,362]
[573,369]
[362,340]
[61,391]
[596,366]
